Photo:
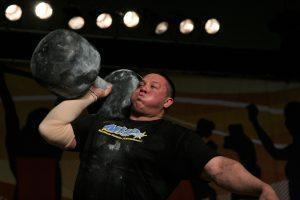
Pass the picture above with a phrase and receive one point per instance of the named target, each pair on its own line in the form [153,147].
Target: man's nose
[144,88]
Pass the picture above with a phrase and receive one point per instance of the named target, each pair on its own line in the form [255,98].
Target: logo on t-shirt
[123,133]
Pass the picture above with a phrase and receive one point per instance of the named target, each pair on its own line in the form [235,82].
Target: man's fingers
[99,92]
[107,91]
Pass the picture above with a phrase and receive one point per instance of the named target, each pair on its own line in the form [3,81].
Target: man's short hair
[171,86]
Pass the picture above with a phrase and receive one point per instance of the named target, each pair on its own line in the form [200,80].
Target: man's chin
[136,109]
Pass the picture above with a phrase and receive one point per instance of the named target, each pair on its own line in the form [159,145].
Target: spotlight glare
[76,23]
[212,26]
[104,20]
[43,10]
[131,19]
[186,26]
[161,28]
[13,12]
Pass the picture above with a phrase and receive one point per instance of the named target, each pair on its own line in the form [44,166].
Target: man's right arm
[56,128]
[231,175]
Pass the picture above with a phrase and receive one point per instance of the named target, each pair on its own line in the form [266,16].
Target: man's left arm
[231,175]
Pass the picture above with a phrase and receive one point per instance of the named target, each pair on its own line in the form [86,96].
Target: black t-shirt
[128,160]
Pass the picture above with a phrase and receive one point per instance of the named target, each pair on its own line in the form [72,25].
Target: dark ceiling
[254,41]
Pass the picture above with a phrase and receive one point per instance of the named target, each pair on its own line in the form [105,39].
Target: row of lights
[130,19]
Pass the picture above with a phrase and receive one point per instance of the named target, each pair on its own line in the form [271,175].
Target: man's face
[151,96]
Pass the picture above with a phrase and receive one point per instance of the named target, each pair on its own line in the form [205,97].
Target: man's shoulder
[173,125]
[88,118]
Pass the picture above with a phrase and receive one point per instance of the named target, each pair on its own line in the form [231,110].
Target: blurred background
[221,55]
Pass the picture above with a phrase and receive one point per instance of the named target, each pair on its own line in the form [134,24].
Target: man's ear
[168,102]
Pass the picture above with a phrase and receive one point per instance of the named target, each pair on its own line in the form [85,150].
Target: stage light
[161,28]
[186,26]
[13,12]
[76,23]
[131,19]
[104,20]
[43,10]
[212,26]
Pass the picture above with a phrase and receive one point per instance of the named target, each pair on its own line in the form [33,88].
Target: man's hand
[98,93]
[268,194]
[252,112]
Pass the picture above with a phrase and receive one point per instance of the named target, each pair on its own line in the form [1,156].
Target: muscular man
[143,157]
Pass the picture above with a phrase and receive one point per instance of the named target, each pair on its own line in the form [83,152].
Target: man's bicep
[211,168]
[56,133]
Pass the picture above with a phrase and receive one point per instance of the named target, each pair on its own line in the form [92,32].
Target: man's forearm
[56,127]
[232,176]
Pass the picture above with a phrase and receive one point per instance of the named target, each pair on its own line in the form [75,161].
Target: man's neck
[141,117]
